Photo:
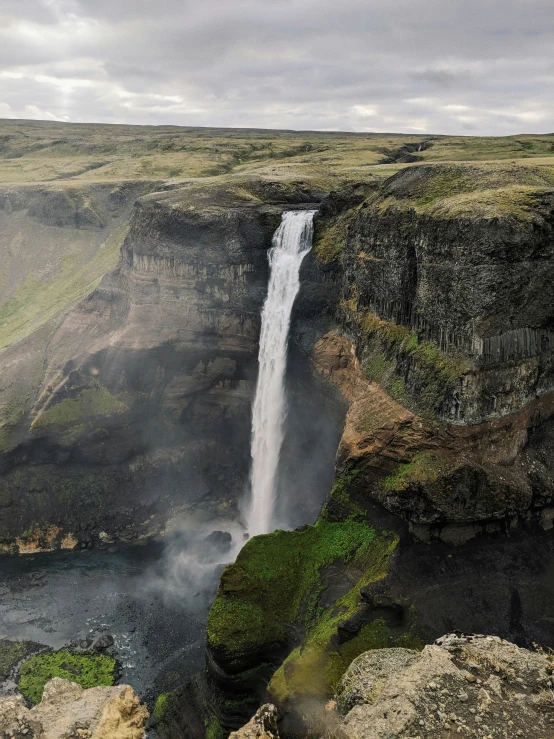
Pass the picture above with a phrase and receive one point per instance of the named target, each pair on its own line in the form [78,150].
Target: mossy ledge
[88,671]
[414,372]
[279,613]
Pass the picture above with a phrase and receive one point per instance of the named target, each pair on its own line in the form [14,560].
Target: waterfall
[291,242]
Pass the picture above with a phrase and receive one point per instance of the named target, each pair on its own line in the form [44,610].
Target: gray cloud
[435,66]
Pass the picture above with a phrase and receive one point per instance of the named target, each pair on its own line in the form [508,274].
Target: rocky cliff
[137,403]
[471,685]
[442,346]
[68,711]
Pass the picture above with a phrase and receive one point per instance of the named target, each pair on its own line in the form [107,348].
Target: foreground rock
[261,726]
[473,686]
[69,711]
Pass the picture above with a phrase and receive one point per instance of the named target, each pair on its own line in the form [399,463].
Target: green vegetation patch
[339,504]
[36,301]
[457,190]
[86,671]
[436,373]
[214,730]
[315,667]
[276,579]
[11,652]
[386,346]
[94,401]
[425,467]
[166,711]
[330,241]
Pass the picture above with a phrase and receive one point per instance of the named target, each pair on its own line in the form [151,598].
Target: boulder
[263,725]
[474,686]
[68,711]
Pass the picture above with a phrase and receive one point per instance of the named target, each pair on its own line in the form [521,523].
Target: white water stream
[291,242]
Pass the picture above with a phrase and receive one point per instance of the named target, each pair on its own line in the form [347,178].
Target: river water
[131,593]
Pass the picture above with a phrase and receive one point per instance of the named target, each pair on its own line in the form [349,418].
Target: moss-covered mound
[277,579]
[468,190]
[84,670]
[282,596]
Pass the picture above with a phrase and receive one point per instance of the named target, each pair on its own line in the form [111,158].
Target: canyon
[416,485]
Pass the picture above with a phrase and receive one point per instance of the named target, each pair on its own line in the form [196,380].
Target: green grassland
[85,670]
[40,151]
[45,270]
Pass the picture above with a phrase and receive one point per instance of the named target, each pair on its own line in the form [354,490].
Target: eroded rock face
[17,721]
[436,475]
[471,685]
[67,711]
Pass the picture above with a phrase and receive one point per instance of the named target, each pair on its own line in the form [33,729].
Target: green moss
[390,333]
[375,365]
[166,711]
[163,705]
[386,346]
[329,243]
[274,580]
[94,401]
[214,730]
[86,671]
[448,366]
[316,667]
[339,499]
[409,640]
[425,467]
[454,190]
[396,388]
[10,654]
[375,635]
[29,533]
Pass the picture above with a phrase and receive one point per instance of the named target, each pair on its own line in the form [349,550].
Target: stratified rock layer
[138,403]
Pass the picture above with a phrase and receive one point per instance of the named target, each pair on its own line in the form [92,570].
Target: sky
[417,66]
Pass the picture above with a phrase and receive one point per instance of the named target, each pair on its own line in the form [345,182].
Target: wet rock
[220,540]
[103,642]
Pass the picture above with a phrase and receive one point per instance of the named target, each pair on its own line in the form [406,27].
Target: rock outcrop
[445,343]
[474,686]
[263,725]
[67,711]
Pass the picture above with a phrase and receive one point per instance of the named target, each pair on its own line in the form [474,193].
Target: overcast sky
[430,66]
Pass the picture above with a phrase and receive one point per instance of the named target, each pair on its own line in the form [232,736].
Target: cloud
[430,66]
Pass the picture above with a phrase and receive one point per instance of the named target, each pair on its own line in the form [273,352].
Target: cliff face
[442,346]
[142,401]
[447,351]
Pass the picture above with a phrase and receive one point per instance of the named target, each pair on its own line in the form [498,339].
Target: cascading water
[291,242]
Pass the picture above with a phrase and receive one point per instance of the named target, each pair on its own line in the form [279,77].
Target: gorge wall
[136,404]
[425,309]
[441,514]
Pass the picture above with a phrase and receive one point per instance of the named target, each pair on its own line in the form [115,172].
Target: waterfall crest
[291,242]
